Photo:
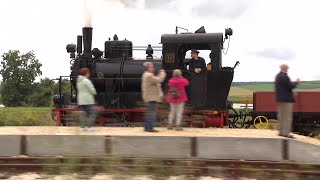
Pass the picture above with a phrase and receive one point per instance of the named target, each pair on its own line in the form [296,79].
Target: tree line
[19,86]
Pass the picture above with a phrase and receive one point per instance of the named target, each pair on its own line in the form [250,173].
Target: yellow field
[237,91]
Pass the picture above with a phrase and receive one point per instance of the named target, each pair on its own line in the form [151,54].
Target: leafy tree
[42,94]
[18,72]
[1,85]
[44,90]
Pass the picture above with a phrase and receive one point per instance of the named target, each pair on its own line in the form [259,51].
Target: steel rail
[185,166]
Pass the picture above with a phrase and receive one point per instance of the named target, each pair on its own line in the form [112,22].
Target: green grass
[258,87]
[309,85]
[25,116]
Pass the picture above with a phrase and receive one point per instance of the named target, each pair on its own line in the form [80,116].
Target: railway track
[158,166]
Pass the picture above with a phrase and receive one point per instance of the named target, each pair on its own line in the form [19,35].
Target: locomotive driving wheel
[261,122]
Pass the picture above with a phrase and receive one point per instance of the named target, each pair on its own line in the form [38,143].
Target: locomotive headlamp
[228,32]
[149,51]
[71,48]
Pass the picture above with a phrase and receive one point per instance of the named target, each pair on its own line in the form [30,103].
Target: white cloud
[280,54]
[220,8]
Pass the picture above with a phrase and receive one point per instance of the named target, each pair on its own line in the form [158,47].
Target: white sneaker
[83,128]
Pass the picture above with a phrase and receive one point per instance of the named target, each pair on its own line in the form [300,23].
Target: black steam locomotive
[116,74]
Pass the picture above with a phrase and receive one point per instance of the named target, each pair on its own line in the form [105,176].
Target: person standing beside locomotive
[151,94]
[285,100]
[176,97]
[197,69]
[85,97]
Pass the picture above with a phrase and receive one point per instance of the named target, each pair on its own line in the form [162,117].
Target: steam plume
[87,14]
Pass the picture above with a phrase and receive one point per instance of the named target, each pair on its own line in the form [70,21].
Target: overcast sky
[266,32]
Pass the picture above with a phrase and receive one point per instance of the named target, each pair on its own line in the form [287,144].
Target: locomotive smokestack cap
[87,40]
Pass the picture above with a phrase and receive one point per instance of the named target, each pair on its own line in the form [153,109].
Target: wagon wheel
[242,120]
[114,119]
[237,120]
[261,122]
[248,119]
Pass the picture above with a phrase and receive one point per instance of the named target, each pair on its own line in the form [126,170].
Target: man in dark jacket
[197,69]
[285,100]
[197,64]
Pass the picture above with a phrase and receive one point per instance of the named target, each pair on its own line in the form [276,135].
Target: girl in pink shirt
[177,97]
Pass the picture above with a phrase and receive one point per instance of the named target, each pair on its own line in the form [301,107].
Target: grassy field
[240,92]
[25,116]
[270,86]
[237,93]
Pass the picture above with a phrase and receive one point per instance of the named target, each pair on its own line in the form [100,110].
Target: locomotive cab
[210,91]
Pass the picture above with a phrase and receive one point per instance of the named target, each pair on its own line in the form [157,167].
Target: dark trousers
[150,116]
[87,119]
[198,89]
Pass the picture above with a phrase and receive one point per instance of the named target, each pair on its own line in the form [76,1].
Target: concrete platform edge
[10,145]
[236,148]
[303,152]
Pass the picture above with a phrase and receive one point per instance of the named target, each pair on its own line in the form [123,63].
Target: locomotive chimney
[87,40]
[79,44]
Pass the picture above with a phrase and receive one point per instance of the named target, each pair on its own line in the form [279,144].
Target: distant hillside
[249,83]
[269,86]
[244,90]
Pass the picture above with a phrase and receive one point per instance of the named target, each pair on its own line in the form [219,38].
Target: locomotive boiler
[116,75]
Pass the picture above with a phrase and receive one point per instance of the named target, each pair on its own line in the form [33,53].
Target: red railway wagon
[306,110]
